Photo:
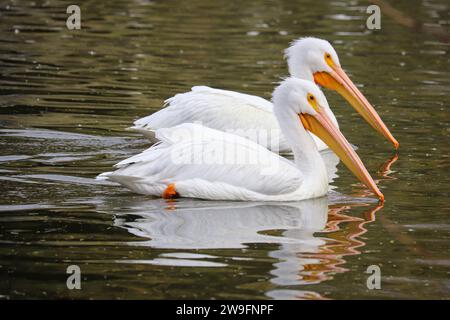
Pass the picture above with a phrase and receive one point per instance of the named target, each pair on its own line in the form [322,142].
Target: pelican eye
[329,59]
[313,101]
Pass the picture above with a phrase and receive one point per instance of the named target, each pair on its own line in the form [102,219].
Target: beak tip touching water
[396,144]
[321,125]
[391,138]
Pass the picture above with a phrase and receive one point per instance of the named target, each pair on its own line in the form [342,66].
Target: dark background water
[67,97]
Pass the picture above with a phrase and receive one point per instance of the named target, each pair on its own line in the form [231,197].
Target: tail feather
[138,184]
[146,132]
[104,176]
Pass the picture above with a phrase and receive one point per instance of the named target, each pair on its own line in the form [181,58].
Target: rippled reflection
[207,225]
[313,237]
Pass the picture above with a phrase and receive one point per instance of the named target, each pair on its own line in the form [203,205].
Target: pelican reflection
[225,225]
[313,236]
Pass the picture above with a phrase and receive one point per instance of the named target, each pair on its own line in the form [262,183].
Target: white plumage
[203,163]
[246,115]
[209,164]
[242,114]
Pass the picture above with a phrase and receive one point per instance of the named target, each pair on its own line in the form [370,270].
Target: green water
[67,96]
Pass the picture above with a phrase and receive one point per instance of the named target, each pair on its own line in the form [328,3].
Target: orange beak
[321,125]
[338,80]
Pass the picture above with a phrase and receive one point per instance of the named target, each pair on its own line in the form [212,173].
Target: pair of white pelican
[299,110]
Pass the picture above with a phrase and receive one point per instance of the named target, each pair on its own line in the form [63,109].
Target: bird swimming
[251,116]
[190,159]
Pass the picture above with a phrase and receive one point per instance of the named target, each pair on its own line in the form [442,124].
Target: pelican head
[303,99]
[316,60]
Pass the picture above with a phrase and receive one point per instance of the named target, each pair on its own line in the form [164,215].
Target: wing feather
[194,153]
[242,114]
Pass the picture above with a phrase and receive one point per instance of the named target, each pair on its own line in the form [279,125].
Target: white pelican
[251,116]
[194,161]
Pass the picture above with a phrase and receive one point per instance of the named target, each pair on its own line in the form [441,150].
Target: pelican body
[252,117]
[195,161]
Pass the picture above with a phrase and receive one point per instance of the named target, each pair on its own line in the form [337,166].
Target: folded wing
[242,114]
[202,160]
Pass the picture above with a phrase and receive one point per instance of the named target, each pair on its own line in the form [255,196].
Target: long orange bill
[321,125]
[339,81]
